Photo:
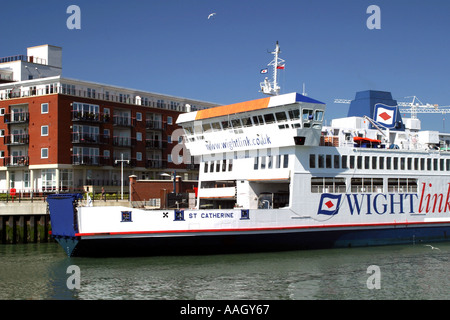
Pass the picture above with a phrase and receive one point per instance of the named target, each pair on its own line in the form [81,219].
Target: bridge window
[294,114]
[318,116]
[269,118]
[281,116]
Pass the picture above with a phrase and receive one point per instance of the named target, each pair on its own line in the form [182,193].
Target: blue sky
[171,47]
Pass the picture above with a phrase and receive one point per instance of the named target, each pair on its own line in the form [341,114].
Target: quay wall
[29,222]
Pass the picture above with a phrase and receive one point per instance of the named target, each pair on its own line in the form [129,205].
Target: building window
[352,162]
[360,185]
[381,163]
[26,179]
[337,163]
[359,161]
[44,131]
[85,111]
[139,136]
[169,139]
[169,158]
[344,162]
[327,185]
[328,161]
[48,178]
[169,120]
[366,162]
[321,161]
[285,161]
[44,153]
[312,161]
[401,185]
[139,156]
[263,162]
[138,116]
[66,179]
[44,108]
[2,154]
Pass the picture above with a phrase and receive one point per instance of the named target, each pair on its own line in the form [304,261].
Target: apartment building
[59,134]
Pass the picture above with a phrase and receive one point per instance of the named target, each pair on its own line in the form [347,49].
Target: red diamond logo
[329,204]
[385,116]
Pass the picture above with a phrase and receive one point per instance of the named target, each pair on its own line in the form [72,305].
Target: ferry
[273,177]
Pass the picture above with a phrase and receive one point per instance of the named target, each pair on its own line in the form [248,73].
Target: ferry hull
[147,245]
[66,219]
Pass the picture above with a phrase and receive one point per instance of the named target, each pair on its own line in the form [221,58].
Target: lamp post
[121,172]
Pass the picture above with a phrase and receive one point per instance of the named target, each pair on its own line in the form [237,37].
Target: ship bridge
[272,122]
[247,150]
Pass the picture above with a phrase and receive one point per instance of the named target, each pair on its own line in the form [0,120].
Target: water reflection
[39,271]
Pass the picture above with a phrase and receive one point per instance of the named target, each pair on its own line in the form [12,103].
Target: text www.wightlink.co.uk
[237,143]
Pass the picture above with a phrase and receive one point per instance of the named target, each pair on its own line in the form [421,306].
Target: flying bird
[432,248]
[211,15]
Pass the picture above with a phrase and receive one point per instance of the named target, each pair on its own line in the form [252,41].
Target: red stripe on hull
[339,226]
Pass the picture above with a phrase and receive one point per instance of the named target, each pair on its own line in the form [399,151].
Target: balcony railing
[62,88]
[24,58]
[90,117]
[16,161]
[82,160]
[89,138]
[155,144]
[154,125]
[156,164]
[123,141]
[17,117]
[16,139]
[124,121]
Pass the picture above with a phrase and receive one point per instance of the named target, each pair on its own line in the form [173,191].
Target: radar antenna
[272,88]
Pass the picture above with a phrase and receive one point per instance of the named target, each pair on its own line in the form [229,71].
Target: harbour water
[40,272]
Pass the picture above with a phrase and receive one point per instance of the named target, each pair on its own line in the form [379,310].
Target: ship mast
[273,88]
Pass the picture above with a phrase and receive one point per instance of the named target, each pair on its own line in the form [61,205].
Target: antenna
[278,64]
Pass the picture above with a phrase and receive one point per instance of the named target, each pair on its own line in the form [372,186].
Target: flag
[280,66]
[264,70]
[385,115]
[329,204]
